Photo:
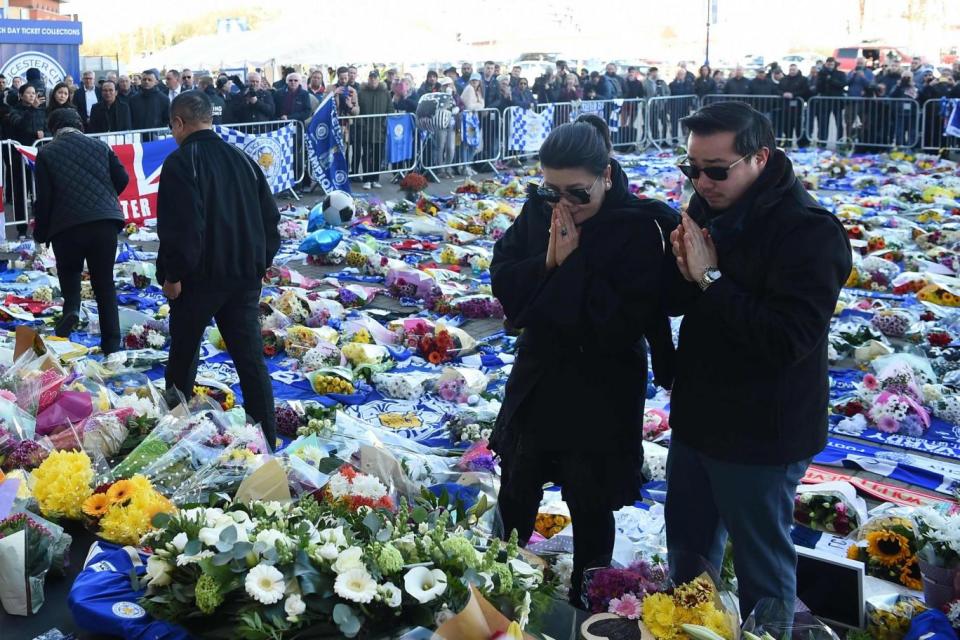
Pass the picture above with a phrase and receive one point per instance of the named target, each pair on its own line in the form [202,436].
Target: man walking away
[749,405]
[217,222]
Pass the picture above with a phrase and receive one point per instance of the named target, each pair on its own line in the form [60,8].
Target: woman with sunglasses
[581,273]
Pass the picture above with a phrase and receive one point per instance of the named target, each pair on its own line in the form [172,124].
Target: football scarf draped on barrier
[528,128]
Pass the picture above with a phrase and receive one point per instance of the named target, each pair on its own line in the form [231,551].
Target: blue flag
[400,137]
[325,148]
[471,129]
[950,108]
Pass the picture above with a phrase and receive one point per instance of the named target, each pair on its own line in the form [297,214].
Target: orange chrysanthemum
[96,505]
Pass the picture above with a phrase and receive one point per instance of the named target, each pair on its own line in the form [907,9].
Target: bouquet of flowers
[337,380]
[152,336]
[471,425]
[892,322]
[656,422]
[694,603]
[122,511]
[615,588]
[938,539]
[413,183]
[461,385]
[887,546]
[29,547]
[353,490]
[291,230]
[299,339]
[889,617]
[271,570]
[62,483]
[478,306]
[895,398]
[833,507]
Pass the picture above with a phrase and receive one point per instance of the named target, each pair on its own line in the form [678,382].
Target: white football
[338,208]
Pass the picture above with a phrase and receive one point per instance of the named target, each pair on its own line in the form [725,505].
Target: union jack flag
[143,162]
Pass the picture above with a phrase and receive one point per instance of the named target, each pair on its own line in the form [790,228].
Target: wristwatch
[710,275]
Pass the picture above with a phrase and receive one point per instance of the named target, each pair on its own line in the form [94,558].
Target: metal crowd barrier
[785,114]
[883,123]
[18,188]
[627,122]
[366,142]
[663,115]
[932,135]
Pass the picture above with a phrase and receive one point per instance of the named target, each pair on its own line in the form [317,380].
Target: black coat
[116,117]
[78,181]
[25,122]
[704,86]
[797,85]
[80,102]
[263,110]
[765,87]
[150,109]
[216,217]
[831,83]
[751,384]
[736,87]
[578,383]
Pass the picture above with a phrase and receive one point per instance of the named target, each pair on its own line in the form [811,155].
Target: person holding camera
[348,104]
[254,103]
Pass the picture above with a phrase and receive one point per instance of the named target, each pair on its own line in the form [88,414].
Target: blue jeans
[708,499]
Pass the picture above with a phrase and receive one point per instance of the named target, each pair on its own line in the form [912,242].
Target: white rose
[390,594]
[349,558]
[158,570]
[270,537]
[179,541]
[294,606]
[328,551]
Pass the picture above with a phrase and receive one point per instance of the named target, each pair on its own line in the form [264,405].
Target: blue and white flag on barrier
[325,148]
[272,151]
[400,128]
[584,107]
[471,129]
[950,108]
[613,120]
[528,129]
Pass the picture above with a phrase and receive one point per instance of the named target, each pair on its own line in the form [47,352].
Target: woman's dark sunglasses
[579,194]
[717,174]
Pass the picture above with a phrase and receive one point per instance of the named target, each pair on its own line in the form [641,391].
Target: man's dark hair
[192,107]
[629,69]
[342,70]
[204,81]
[432,72]
[176,74]
[2,77]
[110,82]
[489,62]
[584,144]
[652,70]
[752,130]
[66,117]
[150,72]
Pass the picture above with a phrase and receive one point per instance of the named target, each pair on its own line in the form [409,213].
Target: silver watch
[710,275]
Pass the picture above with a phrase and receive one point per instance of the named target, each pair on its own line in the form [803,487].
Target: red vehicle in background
[876,54]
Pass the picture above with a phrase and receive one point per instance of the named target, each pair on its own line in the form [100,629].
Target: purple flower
[27,454]
[912,426]
[287,419]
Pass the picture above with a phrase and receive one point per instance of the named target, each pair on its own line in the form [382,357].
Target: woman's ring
[563,231]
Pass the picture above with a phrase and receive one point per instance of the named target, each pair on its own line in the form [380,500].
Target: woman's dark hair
[582,144]
[752,129]
[60,85]
[23,88]
[707,67]
[65,117]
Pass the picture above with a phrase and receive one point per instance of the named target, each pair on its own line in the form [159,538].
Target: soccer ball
[338,208]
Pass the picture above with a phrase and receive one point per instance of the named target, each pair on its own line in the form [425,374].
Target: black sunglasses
[553,196]
[718,174]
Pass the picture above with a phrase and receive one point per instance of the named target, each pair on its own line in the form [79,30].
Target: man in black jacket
[110,114]
[217,222]
[749,404]
[149,108]
[831,85]
[254,104]
[736,84]
[217,101]
[78,181]
[794,88]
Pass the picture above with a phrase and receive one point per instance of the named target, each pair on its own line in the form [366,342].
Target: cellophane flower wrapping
[30,547]
[833,507]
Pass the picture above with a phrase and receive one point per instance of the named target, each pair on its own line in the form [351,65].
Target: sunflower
[887,548]
[910,575]
[121,491]
[96,505]
[853,552]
